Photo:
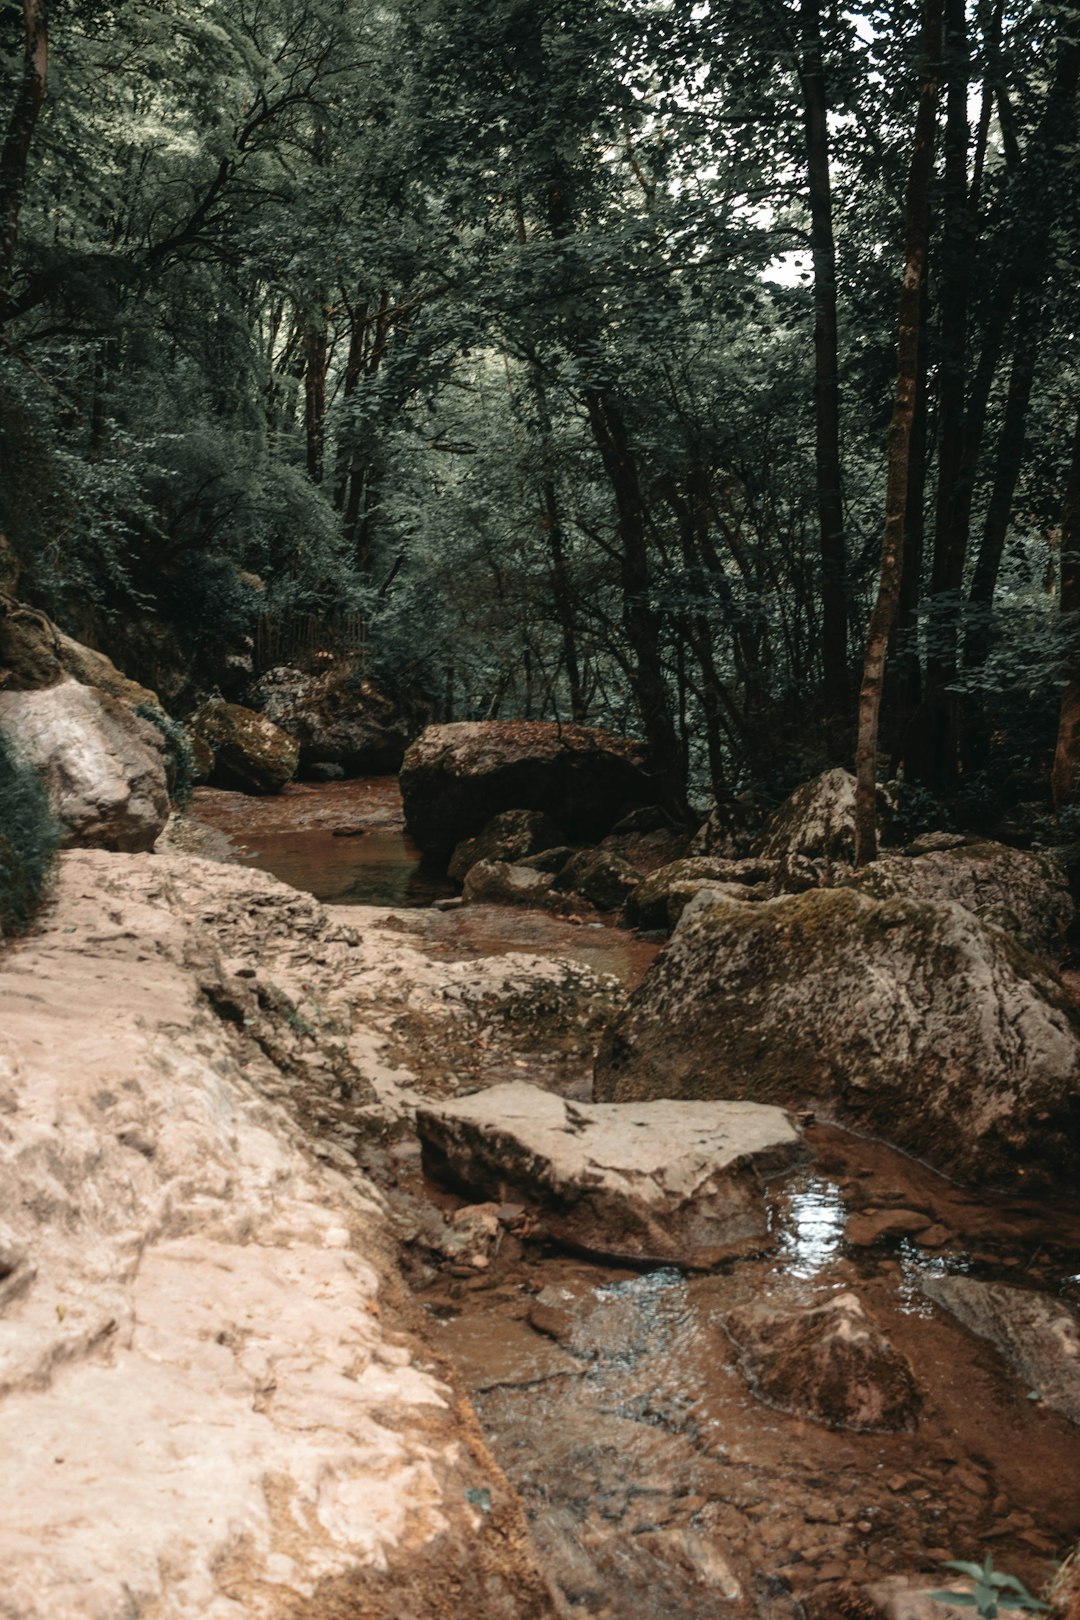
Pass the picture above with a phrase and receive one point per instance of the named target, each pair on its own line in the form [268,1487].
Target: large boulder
[818,820]
[338,717]
[1038,1335]
[1020,890]
[830,1363]
[251,754]
[102,765]
[656,1183]
[503,883]
[507,837]
[918,1020]
[455,778]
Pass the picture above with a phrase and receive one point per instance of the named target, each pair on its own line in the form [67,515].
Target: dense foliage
[28,840]
[558,342]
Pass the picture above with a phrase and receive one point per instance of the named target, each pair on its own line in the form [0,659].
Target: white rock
[102,766]
[664,1182]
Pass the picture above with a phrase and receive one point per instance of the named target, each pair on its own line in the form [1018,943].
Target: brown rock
[251,754]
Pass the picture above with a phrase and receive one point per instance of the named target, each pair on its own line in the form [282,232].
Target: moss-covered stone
[251,754]
[914,1018]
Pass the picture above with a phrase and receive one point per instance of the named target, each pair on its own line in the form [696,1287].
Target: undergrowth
[28,841]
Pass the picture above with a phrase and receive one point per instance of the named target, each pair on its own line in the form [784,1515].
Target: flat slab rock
[650,1183]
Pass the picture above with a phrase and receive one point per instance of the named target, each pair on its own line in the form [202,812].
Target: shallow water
[658,1486]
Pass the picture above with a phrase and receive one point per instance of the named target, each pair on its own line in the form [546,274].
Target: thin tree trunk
[1065,776]
[899,443]
[315,365]
[15,153]
[830,504]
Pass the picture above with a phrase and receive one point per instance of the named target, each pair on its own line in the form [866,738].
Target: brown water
[658,1487]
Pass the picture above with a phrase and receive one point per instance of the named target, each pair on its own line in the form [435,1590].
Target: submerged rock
[658,1183]
[1038,1335]
[102,765]
[1020,890]
[251,754]
[507,837]
[937,1030]
[455,778]
[338,717]
[830,1362]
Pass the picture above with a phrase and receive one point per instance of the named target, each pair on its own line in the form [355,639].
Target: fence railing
[309,640]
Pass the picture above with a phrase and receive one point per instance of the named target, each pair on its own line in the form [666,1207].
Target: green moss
[28,840]
[179,761]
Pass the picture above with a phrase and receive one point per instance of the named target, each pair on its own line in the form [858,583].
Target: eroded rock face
[658,1183]
[818,821]
[455,778]
[507,837]
[35,653]
[934,1028]
[102,766]
[251,754]
[830,1363]
[1016,888]
[1039,1336]
[201,1329]
[338,718]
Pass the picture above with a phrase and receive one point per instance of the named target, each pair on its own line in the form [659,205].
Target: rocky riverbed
[256,1361]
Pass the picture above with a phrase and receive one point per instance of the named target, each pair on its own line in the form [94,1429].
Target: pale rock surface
[818,821]
[210,1405]
[656,1182]
[907,1598]
[660,900]
[1020,889]
[504,883]
[1038,1335]
[935,1029]
[102,766]
[829,1362]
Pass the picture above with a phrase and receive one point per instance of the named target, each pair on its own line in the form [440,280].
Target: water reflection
[812,1226]
[916,1265]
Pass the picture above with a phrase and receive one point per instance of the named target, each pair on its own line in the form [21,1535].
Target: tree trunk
[15,153]
[830,504]
[899,443]
[1065,776]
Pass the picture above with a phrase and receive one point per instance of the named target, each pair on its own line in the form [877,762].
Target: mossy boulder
[660,900]
[599,876]
[502,883]
[507,837]
[35,653]
[1021,890]
[914,1019]
[338,717]
[455,778]
[251,754]
[818,820]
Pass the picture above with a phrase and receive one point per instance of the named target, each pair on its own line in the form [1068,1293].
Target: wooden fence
[308,641]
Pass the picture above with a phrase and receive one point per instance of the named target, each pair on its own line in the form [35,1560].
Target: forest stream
[655,1482]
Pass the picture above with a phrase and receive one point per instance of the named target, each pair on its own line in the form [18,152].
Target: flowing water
[658,1486]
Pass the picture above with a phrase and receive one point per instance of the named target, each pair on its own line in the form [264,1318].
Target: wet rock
[658,1183]
[599,876]
[660,900]
[102,766]
[507,837]
[909,1598]
[501,884]
[939,1031]
[338,717]
[251,754]
[1038,1335]
[1021,891]
[830,1362]
[455,778]
[870,1227]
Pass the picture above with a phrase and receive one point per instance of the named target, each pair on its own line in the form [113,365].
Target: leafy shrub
[179,765]
[28,840]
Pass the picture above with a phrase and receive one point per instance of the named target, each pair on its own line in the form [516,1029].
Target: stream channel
[656,1484]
